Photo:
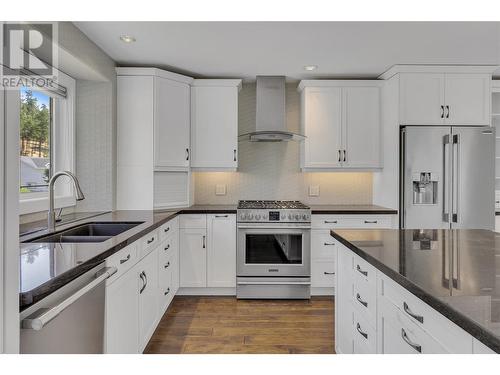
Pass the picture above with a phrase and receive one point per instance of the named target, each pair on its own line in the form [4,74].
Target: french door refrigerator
[447,177]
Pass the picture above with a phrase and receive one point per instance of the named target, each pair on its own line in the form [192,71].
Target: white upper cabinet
[444,98]
[361,131]
[421,99]
[322,122]
[341,122]
[468,99]
[214,124]
[171,124]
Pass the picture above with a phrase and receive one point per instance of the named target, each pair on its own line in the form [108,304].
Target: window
[35,131]
[46,144]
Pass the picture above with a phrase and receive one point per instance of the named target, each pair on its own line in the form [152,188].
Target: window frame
[62,151]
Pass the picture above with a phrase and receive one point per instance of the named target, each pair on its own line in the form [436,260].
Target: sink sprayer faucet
[51,217]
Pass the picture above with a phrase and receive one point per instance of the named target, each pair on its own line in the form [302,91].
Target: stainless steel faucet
[51,217]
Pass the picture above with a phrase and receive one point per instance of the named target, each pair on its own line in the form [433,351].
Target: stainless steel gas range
[273,250]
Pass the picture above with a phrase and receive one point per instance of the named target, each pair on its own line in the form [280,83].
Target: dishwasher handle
[40,318]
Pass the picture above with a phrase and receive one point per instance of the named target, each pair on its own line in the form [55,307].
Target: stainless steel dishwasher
[70,320]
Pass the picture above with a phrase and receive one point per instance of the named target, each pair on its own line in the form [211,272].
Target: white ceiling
[339,49]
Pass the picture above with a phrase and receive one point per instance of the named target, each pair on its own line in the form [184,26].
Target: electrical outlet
[220,189]
[314,191]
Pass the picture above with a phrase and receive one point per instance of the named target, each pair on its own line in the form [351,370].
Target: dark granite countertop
[46,267]
[418,261]
[351,209]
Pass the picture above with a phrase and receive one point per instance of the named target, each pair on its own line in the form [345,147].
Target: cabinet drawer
[364,299]
[323,274]
[165,289]
[167,247]
[123,260]
[401,336]
[448,334]
[168,228]
[187,221]
[350,221]
[148,243]
[364,335]
[323,245]
[364,272]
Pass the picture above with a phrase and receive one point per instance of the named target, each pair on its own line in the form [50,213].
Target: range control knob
[250,216]
[297,216]
[257,217]
[289,216]
[305,216]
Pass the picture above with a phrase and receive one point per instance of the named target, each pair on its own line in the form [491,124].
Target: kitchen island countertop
[417,260]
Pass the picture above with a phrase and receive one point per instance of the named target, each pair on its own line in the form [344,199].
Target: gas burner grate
[281,205]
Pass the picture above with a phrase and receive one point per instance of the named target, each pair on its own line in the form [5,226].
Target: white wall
[272,171]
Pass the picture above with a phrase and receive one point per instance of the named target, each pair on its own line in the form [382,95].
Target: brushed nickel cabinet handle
[329,244]
[447,111]
[358,268]
[166,229]
[151,240]
[364,334]
[371,221]
[166,265]
[204,244]
[125,260]
[364,303]
[442,111]
[142,275]
[406,339]
[345,156]
[234,153]
[339,156]
[167,247]
[329,273]
[168,291]
[187,153]
[412,314]
[221,215]
[331,222]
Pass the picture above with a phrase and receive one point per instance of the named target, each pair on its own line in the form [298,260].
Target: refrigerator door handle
[456,177]
[446,211]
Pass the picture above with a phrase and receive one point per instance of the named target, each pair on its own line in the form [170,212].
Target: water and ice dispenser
[425,188]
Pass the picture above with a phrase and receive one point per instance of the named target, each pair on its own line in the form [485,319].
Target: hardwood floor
[226,325]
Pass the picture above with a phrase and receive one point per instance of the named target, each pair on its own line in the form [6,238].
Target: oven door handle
[274,283]
[274,227]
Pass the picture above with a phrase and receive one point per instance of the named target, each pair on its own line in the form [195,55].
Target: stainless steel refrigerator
[447,177]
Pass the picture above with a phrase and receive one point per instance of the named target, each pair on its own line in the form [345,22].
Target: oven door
[274,250]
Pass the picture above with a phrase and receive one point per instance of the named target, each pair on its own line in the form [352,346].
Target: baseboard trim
[206,292]
[322,291]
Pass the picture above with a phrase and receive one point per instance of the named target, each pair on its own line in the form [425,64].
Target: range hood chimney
[271,113]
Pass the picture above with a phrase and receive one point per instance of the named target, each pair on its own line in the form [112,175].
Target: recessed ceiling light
[310,67]
[127,38]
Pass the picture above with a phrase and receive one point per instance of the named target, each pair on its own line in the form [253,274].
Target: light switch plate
[220,189]
[314,191]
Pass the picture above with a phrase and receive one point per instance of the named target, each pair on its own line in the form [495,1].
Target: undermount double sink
[88,232]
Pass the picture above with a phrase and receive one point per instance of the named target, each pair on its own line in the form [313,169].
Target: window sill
[31,205]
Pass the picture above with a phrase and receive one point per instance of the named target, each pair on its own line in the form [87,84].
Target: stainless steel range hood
[270,116]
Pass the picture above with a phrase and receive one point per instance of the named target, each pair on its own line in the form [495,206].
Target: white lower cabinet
[148,297]
[207,253]
[135,295]
[122,314]
[324,246]
[193,257]
[221,251]
[374,314]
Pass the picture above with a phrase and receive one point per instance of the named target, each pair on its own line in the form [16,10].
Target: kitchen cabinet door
[361,131]
[322,122]
[122,314]
[422,98]
[214,127]
[171,124]
[467,98]
[193,258]
[221,251]
[148,297]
